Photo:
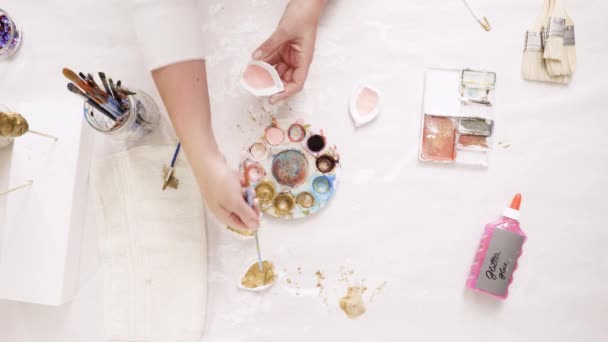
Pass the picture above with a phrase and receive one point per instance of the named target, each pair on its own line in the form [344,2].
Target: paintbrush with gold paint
[170,170]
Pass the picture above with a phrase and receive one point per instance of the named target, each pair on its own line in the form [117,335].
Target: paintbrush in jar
[72,88]
[71,75]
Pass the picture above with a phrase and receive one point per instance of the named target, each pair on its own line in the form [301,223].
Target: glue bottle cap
[513,211]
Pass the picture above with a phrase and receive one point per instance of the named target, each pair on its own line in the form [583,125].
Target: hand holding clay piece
[352,303]
[261,79]
[256,279]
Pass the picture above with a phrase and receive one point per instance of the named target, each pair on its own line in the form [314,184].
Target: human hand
[291,46]
[222,189]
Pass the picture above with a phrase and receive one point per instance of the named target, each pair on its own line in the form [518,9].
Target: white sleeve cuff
[168,32]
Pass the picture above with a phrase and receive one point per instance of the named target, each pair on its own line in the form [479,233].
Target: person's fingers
[272,44]
[281,68]
[257,208]
[246,213]
[273,59]
[298,77]
[287,77]
[290,89]
[228,218]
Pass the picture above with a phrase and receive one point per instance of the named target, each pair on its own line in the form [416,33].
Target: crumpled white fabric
[153,247]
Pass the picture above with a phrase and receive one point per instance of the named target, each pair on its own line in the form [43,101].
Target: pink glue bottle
[499,249]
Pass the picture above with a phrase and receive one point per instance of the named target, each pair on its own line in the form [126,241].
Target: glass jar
[140,119]
[10,35]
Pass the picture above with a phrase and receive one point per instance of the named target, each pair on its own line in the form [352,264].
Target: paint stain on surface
[255,278]
[352,302]
[320,278]
[240,232]
[377,291]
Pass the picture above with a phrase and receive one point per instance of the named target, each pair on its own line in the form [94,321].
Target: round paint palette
[292,170]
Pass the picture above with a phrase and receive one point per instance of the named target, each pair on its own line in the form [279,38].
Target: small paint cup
[142,118]
[296,132]
[274,135]
[326,163]
[255,172]
[322,185]
[316,143]
[265,192]
[10,35]
[305,200]
[258,151]
[283,204]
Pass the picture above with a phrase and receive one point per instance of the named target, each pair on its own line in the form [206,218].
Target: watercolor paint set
[457,117]
[292,170]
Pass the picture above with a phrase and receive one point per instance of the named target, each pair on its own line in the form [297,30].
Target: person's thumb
[272,44]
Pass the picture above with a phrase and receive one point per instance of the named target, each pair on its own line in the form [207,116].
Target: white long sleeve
[168,31]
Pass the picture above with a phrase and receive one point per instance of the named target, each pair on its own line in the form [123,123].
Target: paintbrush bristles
[571,46]
[555,53]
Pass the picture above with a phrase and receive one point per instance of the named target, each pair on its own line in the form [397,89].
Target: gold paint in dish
[255,278]
[283,203]
[352,303]
[326,163]
[305,200]
[265,192]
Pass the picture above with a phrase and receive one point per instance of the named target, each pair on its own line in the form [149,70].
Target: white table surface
[393,219]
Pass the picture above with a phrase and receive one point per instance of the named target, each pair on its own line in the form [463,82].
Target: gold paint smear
[240,232]
[12,125]
[256,278]
[352,302]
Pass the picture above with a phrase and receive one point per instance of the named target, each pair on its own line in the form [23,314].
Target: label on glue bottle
[499,263]
[497,254]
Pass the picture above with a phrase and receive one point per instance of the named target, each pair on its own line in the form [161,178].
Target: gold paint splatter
[173,181]
[240,232]
[377,291]
[256,278]
[320,278]
[352,303]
